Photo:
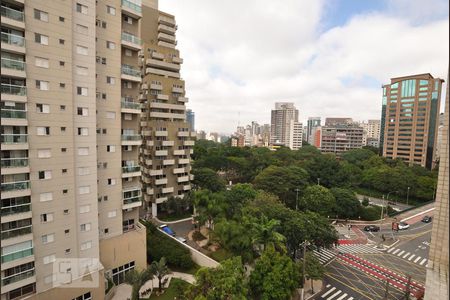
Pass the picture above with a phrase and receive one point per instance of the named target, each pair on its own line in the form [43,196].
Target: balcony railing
[13,186]
[13,114]
[13,64]
[11,89]
[127,37]
[16,209]
[132,200]
[13,39]
[17,277]
[12,138]
[131,169]
[130,105]
[17,255]
[16,232]
[12,13]
[131,137]
[128,70]
[133,6]
[14,162]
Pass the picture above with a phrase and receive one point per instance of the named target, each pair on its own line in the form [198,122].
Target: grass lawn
[192,270]
[169,293]
[220,255]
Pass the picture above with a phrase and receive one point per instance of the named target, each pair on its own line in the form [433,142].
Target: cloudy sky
[329,57]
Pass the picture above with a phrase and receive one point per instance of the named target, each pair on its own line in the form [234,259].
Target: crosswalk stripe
[329,292]
[396,251]
[411,257]
[406,254]
[403,251]
[342,297]
[424,260]
[328,285]
[334,295]
[389,251]
[417,259]
[351,298]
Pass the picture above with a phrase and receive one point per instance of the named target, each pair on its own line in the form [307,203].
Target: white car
[181,239]
[403,226]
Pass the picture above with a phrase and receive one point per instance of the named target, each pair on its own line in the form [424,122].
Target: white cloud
[242,56]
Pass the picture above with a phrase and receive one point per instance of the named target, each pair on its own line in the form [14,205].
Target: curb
[172,222]
[421,213]
[306,298]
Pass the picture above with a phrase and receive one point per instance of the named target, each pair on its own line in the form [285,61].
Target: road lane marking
[403,251]
[342,297]
[424,260]
[328,285]
[396,251]
[417,259]
[329,292]
[351,298]
[389,251]
[411,257]
[404,256]
[334,295]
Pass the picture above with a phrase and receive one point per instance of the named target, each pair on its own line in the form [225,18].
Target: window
[48,238]
[128,52]
[61,19]
[110,80]
[82,50]
[44,153]
[128,19]
[62,85]
[83,151]
[61,63]
[67,251]
[42,85]
[49,259]
[63,129]
[82,9]
[106,230]
[41,15]
[42,108]
[86,296]
[85,209]
[82,190]
[45,174]
[82,111]
[85,227]
[41,62]
[111,181]
[64,171]
[112,214]
[81,29]
[86,245]
[110,115]
[43,130]
[110,45]
[100,23]
[83,91]
[110,148]
[63,149]
[110,10]
[45,218]
[83,171]
[44,197]
[41,39]
[83,131]
[66,231]
[81,70]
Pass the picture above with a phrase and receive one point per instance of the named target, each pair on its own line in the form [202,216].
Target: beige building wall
[437,284]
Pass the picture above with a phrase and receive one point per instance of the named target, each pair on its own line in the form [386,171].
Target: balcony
[166,29]
[166,106]
[191,176]
[183,99]
[157,55]
[161,153]
[162,97]
[157,71]
[131,139]
[161,199]
[16,93]
[131,198]
[168,162]
[12,42]
[131,74]
[18,277]
[156,86]
[14,165]
[179,152]
[150,191]
[183,179]
[168,143]
[12,14]
[156,172]
[131,41]
[167,115]
[13,68]
[177,60]
[13,114]
[165,44]
[130,107]
[7,234]
[188,143]
[131,171]
[161,133]
[167,38]
[186,187]
[161,181]
[14,186]
[148,162]
[154,63]
[183,161]
[167,21]
[131,9]
[167,190]
[15,209]
[17,255]
[183,133]
[11,141]
[179,170]
[178,90]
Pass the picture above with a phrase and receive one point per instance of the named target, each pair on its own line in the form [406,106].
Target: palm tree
[264,233]
[137,279]
[160,270]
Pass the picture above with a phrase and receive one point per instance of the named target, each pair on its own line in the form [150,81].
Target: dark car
[427,219]
[372,228]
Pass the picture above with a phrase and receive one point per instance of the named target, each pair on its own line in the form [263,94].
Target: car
[181,239]
[167,230]
[427,219]
[403,226]
[372,228]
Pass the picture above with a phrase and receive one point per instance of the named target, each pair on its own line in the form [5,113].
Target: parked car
[167,230]
[403,226]
[372,228]
[181,239]
[427,219]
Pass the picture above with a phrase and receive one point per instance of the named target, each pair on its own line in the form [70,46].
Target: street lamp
[296,199]
[318,181]
[407,195]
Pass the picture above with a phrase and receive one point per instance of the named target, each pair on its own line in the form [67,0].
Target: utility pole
[381,221]
[407,196]
[302,295]
[318,181]
[386,292]
[408,289]
[296,199]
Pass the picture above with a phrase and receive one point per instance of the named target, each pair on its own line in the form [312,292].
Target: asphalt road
[381,202]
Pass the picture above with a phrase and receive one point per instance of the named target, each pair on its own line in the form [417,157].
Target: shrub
[198,236]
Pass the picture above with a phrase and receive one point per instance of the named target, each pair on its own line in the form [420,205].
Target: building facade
[167,138]
[313,122]
[339,137]
[281,118]
[371,133]
[410,119]
[69,89]
[437,284]
[190,118]
[295,135]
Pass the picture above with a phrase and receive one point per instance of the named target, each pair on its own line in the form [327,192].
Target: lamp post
[318,181]
[407,195]
[296,199]
[302,294]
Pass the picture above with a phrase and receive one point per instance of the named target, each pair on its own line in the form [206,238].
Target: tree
[357,156]
[160,270]
[206,178]
[275,276]
[314,270]
[227,282]
[318,199]
[137,279]
[325,167]
[208,206]
[236,198]
[347,205]
[264,233]
[236,237]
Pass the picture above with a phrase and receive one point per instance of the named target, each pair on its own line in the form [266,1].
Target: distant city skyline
[328,57]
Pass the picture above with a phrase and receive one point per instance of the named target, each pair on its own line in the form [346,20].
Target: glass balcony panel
[128,70]
[131,169]
[13,14]
[17,277]
[14,162]
[16,232]
[131,137]
[13,64]
[11,89]
[16,209]
[11,138]
[133,6]
[127,37]
[13,186]
[130,105]
[17,255]
[13,39]
[13,114]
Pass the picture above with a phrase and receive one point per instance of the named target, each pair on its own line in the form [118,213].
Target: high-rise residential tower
[340,135]
[437,284]
[371,132]
[409,119]
[281,117]
[167,137]
[190,118]
[69,146]
[312,123]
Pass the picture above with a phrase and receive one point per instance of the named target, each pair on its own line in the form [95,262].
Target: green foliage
[160,270]
[176,208]
[159,245]
[347,205]
[357,156]
[365,201]
[318,199]
[206,178]
[314,270]
[197,236]
[137,279]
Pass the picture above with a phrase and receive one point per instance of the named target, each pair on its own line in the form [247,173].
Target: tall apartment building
[281,118]
[167,137]
[371,132]
[69,147]
[190,118]
[340,135]
[312,123]
[410,118]
[295,135]
[437,284]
